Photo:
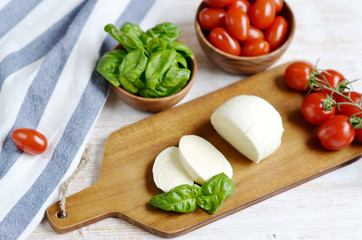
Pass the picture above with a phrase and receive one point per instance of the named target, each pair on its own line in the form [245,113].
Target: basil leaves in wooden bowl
[150,70]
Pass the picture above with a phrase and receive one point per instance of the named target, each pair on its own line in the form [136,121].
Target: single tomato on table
[262,13]
[237,23]
[297,74]
[209,18]
[336,133]
[221,39]
[313,110]
[29,140]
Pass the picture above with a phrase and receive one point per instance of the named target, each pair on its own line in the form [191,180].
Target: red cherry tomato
[347,109]
[277,32]
[313,111]
[29,140]
[297,74]
[278,5]
[221,39]
[217,3]
[237,23]
[262,13]
[255,48]
[359,134]
[209,18]
[254,33]
[333,78]
[336,132]
[244,5]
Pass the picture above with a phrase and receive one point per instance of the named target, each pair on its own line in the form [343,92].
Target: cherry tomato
[336,132]
[209,18]
[278,5]
[333,78]
[255,47]
[218,3]
[359,134]
[29,140]
[347,109]
[254,33]
[262,13]
[237,23]
[297,75]
[277,32]
[244,5]
[313,111]
[221,39]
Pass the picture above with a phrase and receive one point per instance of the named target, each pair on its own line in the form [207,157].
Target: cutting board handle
[83,208]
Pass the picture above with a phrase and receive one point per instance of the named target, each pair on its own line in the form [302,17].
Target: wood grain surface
[126,182]
[326,208]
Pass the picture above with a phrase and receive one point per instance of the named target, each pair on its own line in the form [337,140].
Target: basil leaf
[173,81]
[132,29]
[167,31]
[108,65]
[214,192]
[158,63]
[182,48]
[130,70]
[155,44]
[128,41]
[179,199]
[181,60]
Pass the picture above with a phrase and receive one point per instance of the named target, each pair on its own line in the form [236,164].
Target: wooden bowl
[156,104]
[244,65]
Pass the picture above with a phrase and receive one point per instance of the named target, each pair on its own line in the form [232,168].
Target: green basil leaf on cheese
[179,199]
[214,191]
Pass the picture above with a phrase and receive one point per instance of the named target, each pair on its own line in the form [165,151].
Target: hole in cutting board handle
[60,214]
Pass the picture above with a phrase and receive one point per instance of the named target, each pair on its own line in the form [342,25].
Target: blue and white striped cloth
[48,53]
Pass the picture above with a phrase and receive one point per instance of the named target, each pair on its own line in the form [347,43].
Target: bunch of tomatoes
[329,104]
[243,27]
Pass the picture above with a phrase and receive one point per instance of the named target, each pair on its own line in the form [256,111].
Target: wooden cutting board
[126,182]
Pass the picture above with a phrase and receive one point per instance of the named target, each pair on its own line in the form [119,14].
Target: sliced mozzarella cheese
[250,124]
[201,159]
[168,171]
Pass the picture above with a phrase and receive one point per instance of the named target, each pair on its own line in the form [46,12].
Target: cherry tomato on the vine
[359,134]
[336,133]
[29,140]
[218,3]
[221,39]
[244,5]
[254,33]
[255,48]
[277,32]
[333,78]
[348,109]
[297,75]
[278,5]
[313,111]
[262,13]
[209,18]
[237,23]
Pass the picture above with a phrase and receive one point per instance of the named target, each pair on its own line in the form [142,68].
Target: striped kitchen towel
[48,53]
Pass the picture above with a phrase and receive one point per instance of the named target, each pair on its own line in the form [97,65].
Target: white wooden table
[329,207]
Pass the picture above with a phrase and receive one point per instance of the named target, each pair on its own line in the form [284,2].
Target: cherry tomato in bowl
[29,140]
[336,133]
[221,39]
[218,3]
[237,23]
[244,5]
[262,13]
[277,32]
[210,18]
[256,47]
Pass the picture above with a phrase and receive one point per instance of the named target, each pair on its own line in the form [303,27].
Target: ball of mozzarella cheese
[250,124]
[168,171]
[201,159]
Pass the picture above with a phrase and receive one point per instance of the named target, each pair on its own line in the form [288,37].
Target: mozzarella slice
[250,124]
[201,159]
[168,171]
